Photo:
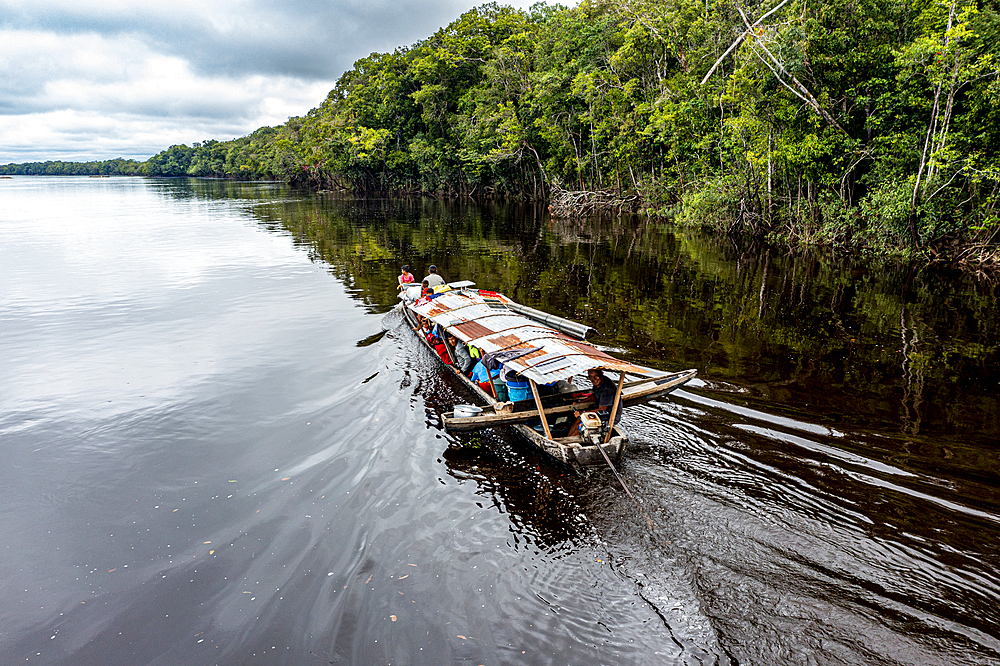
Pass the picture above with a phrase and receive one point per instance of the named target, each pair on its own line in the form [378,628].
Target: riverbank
[868,127]
[976,249]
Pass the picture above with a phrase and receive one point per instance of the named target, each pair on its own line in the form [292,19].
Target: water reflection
[826,494]
[843,352]
[542,512]
[802,331]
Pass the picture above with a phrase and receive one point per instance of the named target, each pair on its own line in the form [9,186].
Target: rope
[622,481]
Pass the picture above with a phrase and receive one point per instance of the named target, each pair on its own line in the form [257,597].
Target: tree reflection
[802,331]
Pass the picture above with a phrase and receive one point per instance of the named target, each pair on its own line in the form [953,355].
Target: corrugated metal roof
[487,324]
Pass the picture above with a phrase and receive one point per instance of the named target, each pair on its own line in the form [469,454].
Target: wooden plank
[645,390]
[538,403]
[451,354]
[493,386]
[497,420]
[565,441]
[614,409]
[655,388]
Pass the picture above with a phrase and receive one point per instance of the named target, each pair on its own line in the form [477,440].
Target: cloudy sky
[96,79]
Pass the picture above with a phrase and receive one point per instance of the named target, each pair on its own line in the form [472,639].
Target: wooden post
[493,387]
[541,412]
[614,408]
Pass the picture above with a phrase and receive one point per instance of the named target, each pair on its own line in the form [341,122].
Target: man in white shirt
[433,279]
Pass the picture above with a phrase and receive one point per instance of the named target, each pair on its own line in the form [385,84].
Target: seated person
[463,359]
[437,342]
[425,289]
[433,279]
[405,277]
[482,376]
[432,332]
[441,350]
[604,396]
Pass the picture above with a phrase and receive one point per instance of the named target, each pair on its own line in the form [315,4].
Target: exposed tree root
[980,257]
[570,204]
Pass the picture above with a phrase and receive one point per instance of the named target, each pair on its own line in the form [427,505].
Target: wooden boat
[548,351]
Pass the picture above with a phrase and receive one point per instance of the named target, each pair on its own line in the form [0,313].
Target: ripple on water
[213,452]
[773,540]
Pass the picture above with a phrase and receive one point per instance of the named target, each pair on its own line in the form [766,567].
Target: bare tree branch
[806,96]
[799,90]
[740,38]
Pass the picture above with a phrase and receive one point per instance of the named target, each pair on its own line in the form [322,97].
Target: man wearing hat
[433,279]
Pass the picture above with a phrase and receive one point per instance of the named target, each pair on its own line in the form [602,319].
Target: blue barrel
[517,389]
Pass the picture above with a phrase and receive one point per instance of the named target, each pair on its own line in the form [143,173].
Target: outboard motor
[592,427]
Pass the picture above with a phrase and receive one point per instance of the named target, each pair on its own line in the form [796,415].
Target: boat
[540,353]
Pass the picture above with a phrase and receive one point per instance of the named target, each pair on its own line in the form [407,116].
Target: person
[496,388]
[433,279]
[442,352]
[434,338]
[425,289]
[463,359]
[405,277]
[481,375]
[604,395]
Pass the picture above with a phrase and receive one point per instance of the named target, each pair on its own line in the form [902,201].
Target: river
[221,445]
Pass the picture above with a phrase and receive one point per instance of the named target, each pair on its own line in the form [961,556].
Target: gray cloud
[136,76]
[309,39]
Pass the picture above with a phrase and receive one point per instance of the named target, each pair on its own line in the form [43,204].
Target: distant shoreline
[956,252]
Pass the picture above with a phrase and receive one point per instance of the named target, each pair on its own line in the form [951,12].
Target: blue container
[518,390]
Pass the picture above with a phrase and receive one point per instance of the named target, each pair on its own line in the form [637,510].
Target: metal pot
[465,411]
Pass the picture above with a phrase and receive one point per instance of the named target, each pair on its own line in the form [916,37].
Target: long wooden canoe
[495,324]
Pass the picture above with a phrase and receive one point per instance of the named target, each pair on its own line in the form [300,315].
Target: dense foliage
[857,122]
[116,167]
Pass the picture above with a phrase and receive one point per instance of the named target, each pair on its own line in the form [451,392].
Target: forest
[870,125]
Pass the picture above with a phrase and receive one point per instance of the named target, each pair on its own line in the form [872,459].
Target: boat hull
[574,454]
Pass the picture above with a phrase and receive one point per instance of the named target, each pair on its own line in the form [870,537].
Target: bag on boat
[413,293]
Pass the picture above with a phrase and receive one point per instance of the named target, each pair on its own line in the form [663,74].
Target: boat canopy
[483,318]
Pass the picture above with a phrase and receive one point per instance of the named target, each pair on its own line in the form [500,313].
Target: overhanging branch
[775,65]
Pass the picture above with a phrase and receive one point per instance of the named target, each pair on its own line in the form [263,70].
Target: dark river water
[220,445]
